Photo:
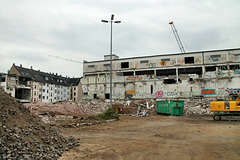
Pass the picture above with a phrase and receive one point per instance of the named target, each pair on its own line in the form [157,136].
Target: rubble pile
[24,136]
[197,107]
[134,106]
[49,112]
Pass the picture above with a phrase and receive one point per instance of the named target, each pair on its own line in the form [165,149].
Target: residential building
[76,92]
[42,86]
[182,75]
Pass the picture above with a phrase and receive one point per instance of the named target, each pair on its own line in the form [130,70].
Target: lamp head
[117,22]
[104,21]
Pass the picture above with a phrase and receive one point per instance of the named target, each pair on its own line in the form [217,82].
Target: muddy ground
[157,137]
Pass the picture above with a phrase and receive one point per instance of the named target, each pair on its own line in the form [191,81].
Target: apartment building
[35,85]
[182,75]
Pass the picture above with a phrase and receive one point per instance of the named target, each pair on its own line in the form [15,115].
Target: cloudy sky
[31,30]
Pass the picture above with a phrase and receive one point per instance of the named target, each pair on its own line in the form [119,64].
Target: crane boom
[177,37]
[65,59]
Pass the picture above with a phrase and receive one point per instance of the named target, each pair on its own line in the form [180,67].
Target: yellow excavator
[227,107]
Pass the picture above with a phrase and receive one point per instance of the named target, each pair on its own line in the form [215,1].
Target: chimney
[13,64]
[21,65]
[56,74]
[31,67]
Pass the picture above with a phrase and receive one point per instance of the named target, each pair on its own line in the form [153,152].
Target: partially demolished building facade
[184,75]
[29,85]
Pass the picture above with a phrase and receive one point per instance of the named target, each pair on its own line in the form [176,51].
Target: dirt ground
[157,137]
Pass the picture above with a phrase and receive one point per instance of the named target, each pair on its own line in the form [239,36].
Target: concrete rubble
[24,136]
[197,106]
[70,110]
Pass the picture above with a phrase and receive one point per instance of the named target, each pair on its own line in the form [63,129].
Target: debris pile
[49,112]
[197,107]
[24,136]
[136,107]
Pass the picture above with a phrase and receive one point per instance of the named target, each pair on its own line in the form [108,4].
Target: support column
[177,73]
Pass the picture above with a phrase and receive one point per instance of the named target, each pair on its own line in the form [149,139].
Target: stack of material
[197,107]
[24,136]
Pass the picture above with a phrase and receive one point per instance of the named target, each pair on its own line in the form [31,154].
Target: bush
[109,114]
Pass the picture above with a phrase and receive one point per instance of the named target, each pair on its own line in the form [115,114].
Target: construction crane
[177,37]
[65,59]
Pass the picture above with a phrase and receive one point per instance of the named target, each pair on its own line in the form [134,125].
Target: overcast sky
[31,30]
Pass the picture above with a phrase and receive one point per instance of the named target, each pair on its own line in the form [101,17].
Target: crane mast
[177,37]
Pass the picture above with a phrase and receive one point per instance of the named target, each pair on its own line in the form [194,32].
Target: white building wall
[153,86]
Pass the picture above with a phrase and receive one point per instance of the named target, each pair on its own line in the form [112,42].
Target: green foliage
[109,114]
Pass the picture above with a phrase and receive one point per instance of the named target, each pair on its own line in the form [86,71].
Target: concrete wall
[9,84]
[206,74]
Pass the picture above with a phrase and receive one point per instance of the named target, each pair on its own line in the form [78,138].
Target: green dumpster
[171,107]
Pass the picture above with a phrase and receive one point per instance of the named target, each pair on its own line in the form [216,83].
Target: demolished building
[183,75]
[29,85]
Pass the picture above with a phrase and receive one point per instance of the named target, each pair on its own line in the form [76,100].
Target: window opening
[91,66]
[190,80]
[233,67]
[128,74]
[145,72]
[169,81]
[3,79]
[144,61]
[107,96]
[189,60]
[166,59]
[106,65]
[125,65]
[193,70]
[215,56]
[166,72]
[212,68]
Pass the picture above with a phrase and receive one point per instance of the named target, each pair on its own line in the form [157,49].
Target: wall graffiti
[152,65]
[163,63]
[130,78]
[237,72]
[208,92]
[233,91]
[236,58]
[161,94]
[148,77]
[172,94]
[130,94]
[136,65]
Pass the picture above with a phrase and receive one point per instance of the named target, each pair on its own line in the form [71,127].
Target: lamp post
[111,21]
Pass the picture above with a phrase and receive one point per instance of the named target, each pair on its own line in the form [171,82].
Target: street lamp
[111,21]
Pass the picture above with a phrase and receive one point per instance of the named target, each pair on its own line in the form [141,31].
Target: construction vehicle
[226,107]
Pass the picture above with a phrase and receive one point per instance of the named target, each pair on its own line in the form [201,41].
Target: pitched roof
[43,77]
[74,81]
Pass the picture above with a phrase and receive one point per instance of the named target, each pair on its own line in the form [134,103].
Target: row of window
[168,72]
[187,60]
[56,98]
[55,91]
[58,80]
